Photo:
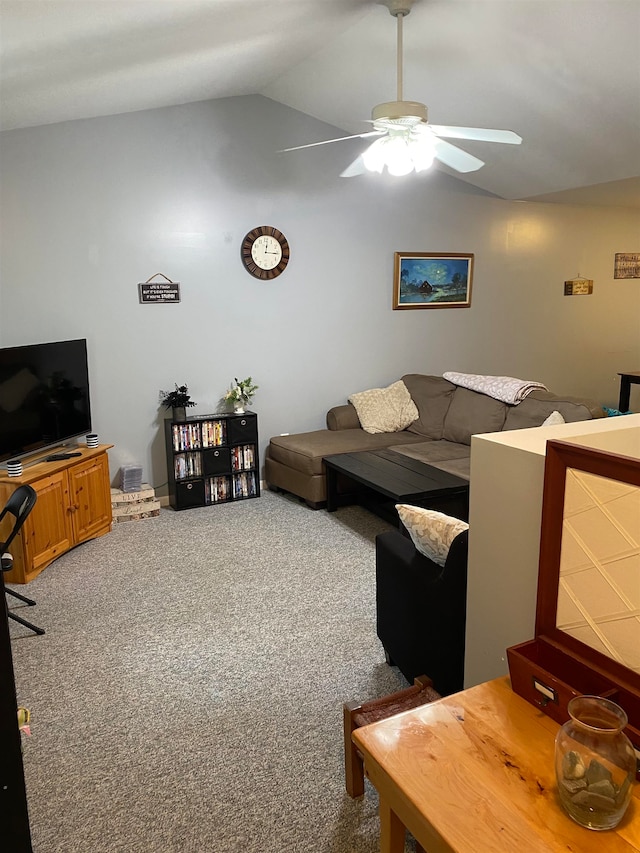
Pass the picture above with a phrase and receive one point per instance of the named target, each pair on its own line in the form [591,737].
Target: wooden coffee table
[379,479]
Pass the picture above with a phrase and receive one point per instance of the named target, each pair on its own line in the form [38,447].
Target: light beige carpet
[187,695]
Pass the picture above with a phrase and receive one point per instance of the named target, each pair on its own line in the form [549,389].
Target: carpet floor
[187,695]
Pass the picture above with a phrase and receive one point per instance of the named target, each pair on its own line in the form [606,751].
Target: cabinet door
[90,498]
[47,532]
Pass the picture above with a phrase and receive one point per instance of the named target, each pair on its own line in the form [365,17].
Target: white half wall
[505,512]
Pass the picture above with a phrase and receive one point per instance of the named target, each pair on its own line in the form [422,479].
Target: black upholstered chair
[421,609]
[19,506]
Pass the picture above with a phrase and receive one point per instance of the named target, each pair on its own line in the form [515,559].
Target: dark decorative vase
[179,413]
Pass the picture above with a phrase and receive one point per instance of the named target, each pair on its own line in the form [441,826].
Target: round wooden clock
[265,252]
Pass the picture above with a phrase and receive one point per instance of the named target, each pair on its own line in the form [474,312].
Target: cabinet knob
[243,422]
[217,453]
[189,485]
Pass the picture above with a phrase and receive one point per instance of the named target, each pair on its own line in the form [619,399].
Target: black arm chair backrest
[421,609]
[19,505]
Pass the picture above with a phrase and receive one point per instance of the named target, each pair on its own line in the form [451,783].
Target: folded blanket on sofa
[504,388]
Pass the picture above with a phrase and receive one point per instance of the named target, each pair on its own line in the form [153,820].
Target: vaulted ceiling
[563,74]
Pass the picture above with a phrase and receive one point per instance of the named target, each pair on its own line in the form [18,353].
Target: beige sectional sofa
[448,415]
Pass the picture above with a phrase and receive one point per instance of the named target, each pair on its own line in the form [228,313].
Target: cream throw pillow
[431,532]
[385,409]
[554,419]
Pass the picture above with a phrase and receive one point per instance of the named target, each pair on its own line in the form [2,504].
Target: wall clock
[265,252]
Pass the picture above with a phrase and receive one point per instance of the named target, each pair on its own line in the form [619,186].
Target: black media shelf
[212,459]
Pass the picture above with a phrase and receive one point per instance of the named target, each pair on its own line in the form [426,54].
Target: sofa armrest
[343,417]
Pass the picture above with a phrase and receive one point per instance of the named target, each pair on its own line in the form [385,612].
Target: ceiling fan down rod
[399,18]
[399,8]
[399,109]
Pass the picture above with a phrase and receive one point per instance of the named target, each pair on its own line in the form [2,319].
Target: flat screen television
[44,396]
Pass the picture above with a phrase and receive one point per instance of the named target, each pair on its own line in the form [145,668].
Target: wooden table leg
[392,830]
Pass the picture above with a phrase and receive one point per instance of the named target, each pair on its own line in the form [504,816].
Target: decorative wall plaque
[578,287]
[163,291]
[627,265]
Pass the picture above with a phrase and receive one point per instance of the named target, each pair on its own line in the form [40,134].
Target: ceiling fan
[406,141]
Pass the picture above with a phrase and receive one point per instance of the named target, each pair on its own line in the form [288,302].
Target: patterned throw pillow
[385,409]
[554,419]
[431,532]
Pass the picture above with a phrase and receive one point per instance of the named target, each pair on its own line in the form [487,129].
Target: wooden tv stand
[74,505]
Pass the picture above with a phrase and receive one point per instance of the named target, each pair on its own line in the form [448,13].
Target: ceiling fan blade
[357,167]
[327,141]
[455,157]
[480,134]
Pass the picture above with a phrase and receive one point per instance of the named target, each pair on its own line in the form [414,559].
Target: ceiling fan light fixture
[399,153]
[406,142]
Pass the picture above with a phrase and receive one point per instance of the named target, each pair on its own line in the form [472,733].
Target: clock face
[265,252]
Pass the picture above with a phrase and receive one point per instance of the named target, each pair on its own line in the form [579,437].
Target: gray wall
[91,208]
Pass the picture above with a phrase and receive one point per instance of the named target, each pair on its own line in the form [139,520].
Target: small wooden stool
[358,714]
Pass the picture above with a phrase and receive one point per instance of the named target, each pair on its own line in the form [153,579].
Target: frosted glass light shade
[400,154]
[399,160]
[374,157]
[422,155]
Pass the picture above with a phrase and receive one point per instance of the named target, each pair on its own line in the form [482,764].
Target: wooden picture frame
[432,280]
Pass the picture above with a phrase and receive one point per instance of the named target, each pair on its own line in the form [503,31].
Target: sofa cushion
[388,409]
[304,451]
[445,455]
[431,452]
[538,405]
[471,413]
[431,532]
[432,396]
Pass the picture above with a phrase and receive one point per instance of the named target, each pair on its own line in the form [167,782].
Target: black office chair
[20,504]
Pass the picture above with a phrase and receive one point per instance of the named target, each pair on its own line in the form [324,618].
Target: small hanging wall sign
[160,291]
[578,287]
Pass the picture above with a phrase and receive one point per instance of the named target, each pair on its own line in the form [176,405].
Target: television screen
[44,396]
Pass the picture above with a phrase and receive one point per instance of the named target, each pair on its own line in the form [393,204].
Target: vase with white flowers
[240,394]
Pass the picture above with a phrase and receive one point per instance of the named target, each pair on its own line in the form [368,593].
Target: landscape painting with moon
[432,280]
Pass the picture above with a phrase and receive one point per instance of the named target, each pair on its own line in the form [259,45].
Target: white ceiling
[564,74]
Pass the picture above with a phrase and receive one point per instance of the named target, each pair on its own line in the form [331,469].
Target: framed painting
[432,280]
